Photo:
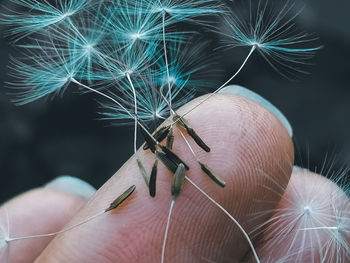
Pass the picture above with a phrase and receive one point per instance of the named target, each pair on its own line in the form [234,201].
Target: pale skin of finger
[244,137]
[38,211]
[302,236]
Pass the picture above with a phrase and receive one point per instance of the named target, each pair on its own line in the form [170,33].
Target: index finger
[244,138]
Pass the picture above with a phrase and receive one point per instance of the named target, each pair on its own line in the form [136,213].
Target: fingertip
[308,223]
[38,211]
[245,139]
[246,93]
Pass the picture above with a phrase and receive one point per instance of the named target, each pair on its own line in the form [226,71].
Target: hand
[250,149]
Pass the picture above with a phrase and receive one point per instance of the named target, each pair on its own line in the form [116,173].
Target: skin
[250,150]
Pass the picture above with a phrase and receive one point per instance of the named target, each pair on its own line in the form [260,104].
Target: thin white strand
[230,216]
[183,136]
[320,228]
[167,230]
[58,232]
[189,146]
[168,103]
[228,81]
[166,61]
[116,102]
[135,107]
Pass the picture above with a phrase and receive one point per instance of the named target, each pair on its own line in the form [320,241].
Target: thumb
[245,139]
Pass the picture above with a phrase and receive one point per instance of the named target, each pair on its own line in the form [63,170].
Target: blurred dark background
[45,139]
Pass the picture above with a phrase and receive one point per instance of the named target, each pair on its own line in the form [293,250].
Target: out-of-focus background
[63,136]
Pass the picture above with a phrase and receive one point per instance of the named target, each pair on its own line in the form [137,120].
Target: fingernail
[72,185]
[3,235]
[299,169]
[246,93]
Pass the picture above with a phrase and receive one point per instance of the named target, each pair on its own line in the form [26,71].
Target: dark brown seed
[178,181]
[181,121]
[153,179]
[216,179]
[198,139]
[173,157]
[170,139]
[149,140]
[166,161]
[159,135]
[120,199]
[143,171]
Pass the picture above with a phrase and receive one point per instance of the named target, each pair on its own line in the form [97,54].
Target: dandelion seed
[166,161]
[143,172]
[41,15]
[170,139]
[151,143]
[159,135]
[83,45]
[212,176]
[273,35]
[153,179]
[183,123]
[178,181]
[198,139]
[133,24]
[41,76]
[176,189]
[173,157]
[120,199]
